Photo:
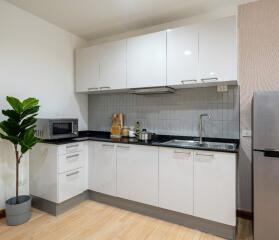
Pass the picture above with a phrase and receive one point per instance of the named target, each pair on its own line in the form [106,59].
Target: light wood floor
[95,221]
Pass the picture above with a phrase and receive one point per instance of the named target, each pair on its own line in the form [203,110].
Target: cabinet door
[113,65]
[215,186]
[102,173]
[218,50]
[176,180]
[146,60]
[87,69]
[137,173]
[70,184]
[182,55]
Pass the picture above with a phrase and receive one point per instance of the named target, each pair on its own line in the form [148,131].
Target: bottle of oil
[137,130]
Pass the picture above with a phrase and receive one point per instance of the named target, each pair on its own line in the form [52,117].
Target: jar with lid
[125,131]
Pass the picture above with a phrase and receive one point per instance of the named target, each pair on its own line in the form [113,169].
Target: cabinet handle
[124,147]
[104,88]
[72,146]
[107,145]
[71,174]
[189,80]
[180,152]
[93,88]
[204,155]
[72,156]
[209,79]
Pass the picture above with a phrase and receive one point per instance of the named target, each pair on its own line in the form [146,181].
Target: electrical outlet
[246,133]
[222,88]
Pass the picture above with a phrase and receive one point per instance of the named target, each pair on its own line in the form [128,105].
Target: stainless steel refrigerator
[266,165]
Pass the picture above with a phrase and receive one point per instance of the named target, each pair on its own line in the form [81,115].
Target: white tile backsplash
[174,114]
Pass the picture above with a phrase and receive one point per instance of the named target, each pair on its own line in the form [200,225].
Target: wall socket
[222,88]
[246,133]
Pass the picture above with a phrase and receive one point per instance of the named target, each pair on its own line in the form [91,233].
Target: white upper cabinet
[205,53]
[101,67]
[113,65]
[87,69]
[176,179]
[182,55]
[215,186]
[218,50]
[146,60]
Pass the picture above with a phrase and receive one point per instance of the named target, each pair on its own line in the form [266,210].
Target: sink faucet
[201,125]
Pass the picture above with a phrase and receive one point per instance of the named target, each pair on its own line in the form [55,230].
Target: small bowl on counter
[132,132]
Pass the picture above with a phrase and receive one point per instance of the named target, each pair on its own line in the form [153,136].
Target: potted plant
[18,128]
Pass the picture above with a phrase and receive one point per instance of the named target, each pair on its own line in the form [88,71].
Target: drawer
[70,148]
[70,184]
[70,162]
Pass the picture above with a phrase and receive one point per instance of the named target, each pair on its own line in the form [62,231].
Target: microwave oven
[51,129]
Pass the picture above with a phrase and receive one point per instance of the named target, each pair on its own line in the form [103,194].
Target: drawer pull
[180,152]
[209,79]
[72,174]
[205,155]
[189,80]
[93,88]
[107,145]
[102,88]
[124,147]
[72,146]
[72,156]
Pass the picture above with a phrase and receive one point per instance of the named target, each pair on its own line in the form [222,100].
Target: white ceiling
[92,19]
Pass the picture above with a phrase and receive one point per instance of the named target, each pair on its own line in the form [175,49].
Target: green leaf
[29,111]
[15,103]
[11,114]
[13,140]
[27,122]
[4,127]
[28,141]
[29,103]
[22,132]
[10,127]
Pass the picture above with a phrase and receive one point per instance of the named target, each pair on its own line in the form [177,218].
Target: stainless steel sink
[197,144]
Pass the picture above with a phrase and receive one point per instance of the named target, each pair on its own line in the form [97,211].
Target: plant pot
[18,212]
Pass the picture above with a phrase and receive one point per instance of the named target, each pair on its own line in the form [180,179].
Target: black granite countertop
[158,140]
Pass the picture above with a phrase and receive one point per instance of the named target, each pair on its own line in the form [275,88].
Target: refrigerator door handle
[271,153]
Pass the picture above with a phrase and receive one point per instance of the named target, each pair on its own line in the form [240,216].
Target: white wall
[36,59]
[258,71]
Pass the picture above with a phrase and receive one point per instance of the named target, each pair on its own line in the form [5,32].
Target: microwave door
[62,129]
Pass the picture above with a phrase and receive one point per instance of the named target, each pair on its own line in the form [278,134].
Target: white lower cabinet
[58,172]
[176,179]
[193,182]
[215,186]
[137,173]
[70,184]
[199,183]
[102,164]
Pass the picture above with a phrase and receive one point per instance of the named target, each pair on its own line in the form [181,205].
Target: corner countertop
[158,140]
